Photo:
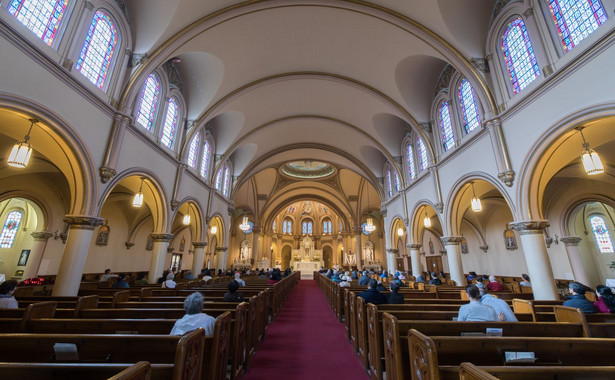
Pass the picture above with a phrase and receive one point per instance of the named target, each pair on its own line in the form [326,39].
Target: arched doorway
[327,256]
[286,255]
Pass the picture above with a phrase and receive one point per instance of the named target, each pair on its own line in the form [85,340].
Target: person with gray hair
[194,318]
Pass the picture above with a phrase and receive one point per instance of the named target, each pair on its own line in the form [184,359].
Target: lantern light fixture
[590,159]
[137,201]
[22,151]
[426,220]
[476,204]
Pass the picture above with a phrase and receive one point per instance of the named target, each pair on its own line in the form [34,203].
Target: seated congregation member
[372,295]
[577,298]
[500,306]
[206,275]
[7,300]
[189,275]
[239,280]
[233,295]
[276,276]
[169,283]
[194,318]
[471,276]
[355,274]
[475,310]
[442,275]
[494,285]
[141,279]
[107,276]
[336,276]
[420,278]
[434,279]
[394,297]
[526,281]
[121,282]
[364,280]
[606,300]
[380,287]
[345,283]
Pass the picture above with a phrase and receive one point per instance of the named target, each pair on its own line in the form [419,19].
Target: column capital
[41,235]
[199,244]
[106,173]
[256,229]
[451,240]
[528,227]
[162,237]
[414,246]
[83,222]
[392,251]
[221,249]
[570,241]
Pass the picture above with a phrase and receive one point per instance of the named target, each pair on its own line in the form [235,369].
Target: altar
[307,269]
[306,259]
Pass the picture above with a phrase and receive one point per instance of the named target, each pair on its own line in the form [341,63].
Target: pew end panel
[468,371]
[139,371]
[423,356]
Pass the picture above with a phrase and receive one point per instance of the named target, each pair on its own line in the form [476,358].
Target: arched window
[326,227]
[205,159]
[601,234]
[193,150]
[576,19]
[170,123]
[9,231]
[422,154]
[388,184]
[227,181]
[148,103]
[287,226]
[397,183]
[363,230]
[273,226]
[446,127]
[468,105]
[98,49]
[306,227]
[410,161]
[519,55]
[218,181]
[42,17]
[341,225]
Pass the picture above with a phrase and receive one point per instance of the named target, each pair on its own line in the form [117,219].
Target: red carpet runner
[306,342]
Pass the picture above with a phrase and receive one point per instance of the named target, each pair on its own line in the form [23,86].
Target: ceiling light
[370,227]
[137,201]
[21,152]
[427,221]
[476,205]
[400,231]
[213,230]
[245,226]
[591,160]
[186,220]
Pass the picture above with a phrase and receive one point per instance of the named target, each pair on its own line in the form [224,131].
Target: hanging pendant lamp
[21,152]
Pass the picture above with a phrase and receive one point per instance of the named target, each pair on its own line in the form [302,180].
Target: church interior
[412,136]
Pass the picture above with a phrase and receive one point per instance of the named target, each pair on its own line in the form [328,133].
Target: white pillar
[197,264]
[415,258]
[75,254]
[576,261]
[453,249]
[359,252]
[537,258]
[36,254]
[221,261]
[256,251]
[159,254]
[392,260]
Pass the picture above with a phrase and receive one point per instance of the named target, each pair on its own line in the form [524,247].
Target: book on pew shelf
[520,357]
[66,351]
[493,331]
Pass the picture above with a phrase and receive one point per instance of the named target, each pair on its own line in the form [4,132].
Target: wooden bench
[468,371]
[64,371]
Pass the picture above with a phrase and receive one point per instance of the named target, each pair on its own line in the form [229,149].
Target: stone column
[359,250]
[199,249]
[392,260]
[453,249]
[415,258]
[81,229]
[537,258]
[256,252]
[36,254]
[159,254]
[221,253]
[576,261]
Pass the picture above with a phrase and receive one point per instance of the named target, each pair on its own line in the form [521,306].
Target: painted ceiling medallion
[307,169]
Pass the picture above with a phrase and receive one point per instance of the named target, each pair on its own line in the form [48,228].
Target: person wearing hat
[364,280]
[500,306]
[169,283]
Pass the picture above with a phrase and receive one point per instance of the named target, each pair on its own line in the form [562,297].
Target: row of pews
[102,332]
[421,340]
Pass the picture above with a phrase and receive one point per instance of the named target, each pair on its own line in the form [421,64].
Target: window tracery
[519,55]
[170,123]
[205,159]
[9,231]
[150,96]
[576,19]
[601,234]
[468,105]
[42,17]
[446,126]
[193,150]
[98,49]
[422,154]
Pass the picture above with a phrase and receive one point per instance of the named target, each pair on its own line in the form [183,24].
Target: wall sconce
[21,152]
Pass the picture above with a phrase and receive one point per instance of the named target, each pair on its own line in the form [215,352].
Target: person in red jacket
[493,285]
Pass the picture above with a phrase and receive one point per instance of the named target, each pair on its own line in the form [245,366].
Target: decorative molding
[547,70]
[443,252]
[392,251]
[41,235]
[129,245]
[528,12]
[484,248]
[106,174]
[451,240]
[83,222]
[570,241]
[221,249]
[444,79]
[481,64]
[199,244]
[414,246]
[173,75]
[174,204]
[170,249]
[507,177]
[161,237]
[137,59]
[439,207]
[530,227]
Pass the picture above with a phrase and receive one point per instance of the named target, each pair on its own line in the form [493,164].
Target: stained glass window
[149,101]
[410,161]
[98,49]
[42,17]
[446,127]
[306,228]
[397,183]
[389,185]
[170,123]
[326,227]
[340,226]
[218,181]
[576,19]
[469,108]
[249,230]
[205,159]
[519,55]
[422,154]
[227,180]
[601,234]
[273,226]
[287,226]
[365,232]
[9,231]
[193,150]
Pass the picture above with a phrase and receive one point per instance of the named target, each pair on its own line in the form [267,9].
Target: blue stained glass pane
[42,17]
[576,19]
[410,161]
[98,49]
[309,228]
[273,226]
[397,183]
[170,123]
[193,150]
[601,234]
[205,159]
[9,231]
[519,55]
[304,228]
[227,181]
[422,154]
[446,127]
[469,108]
[218,181]
[149,101]
[329,225]
[365,232]
[389,186]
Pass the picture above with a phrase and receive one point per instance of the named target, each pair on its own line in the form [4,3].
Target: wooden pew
[101,371]
[468,371]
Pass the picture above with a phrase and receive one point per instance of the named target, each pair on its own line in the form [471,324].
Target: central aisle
[306,342]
